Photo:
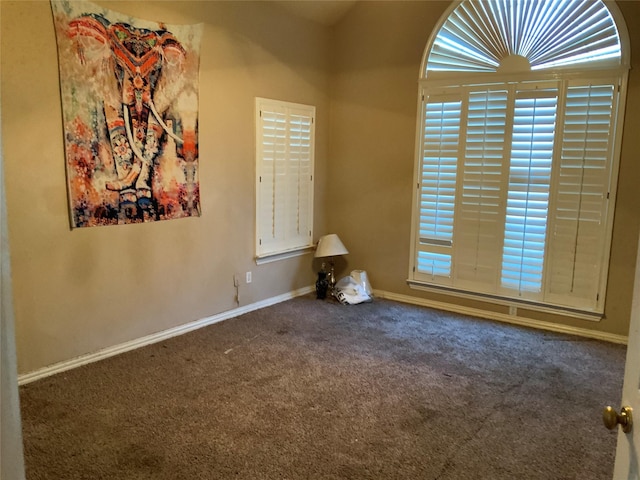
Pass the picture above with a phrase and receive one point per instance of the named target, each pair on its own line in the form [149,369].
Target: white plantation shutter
[272,128]
[513,190]
[284,166]
[298,226]
[575,262]
[440,143]
[532,144]
[479,221]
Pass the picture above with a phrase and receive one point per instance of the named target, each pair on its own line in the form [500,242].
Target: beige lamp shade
[330,246]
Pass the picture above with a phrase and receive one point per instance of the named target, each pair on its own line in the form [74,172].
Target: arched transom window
[486,36]
[521,107]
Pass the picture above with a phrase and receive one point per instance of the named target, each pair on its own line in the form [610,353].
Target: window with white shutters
[516,158]
[284,168]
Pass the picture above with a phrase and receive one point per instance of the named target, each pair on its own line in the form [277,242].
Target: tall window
[284,171]
[520,114]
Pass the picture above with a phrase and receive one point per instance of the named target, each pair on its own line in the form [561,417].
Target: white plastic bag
[350,292]
[360,276]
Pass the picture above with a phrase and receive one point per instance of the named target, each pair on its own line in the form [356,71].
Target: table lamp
[330,246]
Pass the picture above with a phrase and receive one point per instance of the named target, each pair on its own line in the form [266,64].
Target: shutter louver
[299,175]
[578,233]
[440,142]
[528,192]
[272,184]
[479,219]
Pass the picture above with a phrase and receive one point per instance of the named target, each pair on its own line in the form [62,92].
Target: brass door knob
[611,418]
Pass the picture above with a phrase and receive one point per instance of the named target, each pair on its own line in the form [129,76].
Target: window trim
[506,301]
[274,257]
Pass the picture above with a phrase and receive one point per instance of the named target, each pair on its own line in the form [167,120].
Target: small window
[284,169]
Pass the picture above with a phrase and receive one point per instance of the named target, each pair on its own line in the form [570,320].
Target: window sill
[512,303]
[274,257]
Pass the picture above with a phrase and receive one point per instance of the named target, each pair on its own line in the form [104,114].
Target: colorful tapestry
[130,111]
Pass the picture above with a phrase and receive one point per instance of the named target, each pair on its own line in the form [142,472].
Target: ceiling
[324,12]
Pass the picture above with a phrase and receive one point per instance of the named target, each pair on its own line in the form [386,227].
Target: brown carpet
[311,389]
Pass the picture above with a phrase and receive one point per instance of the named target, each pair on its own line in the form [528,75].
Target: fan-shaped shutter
[479,34]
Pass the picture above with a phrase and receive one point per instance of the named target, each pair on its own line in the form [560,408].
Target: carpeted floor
[311,389]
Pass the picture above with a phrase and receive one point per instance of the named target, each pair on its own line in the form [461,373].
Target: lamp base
[331,277]
[322,285]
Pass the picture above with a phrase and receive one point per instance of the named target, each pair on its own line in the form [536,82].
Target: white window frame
[284,179]
[448,85]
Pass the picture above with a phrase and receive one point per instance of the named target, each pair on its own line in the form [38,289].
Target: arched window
[521,106]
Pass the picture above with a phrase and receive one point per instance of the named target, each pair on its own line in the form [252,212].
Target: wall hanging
[130,111]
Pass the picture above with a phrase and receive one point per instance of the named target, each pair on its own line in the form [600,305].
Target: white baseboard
[502,317]
[156,337]
[182,329]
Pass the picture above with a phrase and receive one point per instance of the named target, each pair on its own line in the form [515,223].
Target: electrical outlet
[248,277]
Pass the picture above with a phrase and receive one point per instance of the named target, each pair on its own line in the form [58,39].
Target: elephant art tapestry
[130,114]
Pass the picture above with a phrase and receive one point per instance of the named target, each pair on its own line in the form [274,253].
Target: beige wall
[76,292]
[378,49]
[80,291]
